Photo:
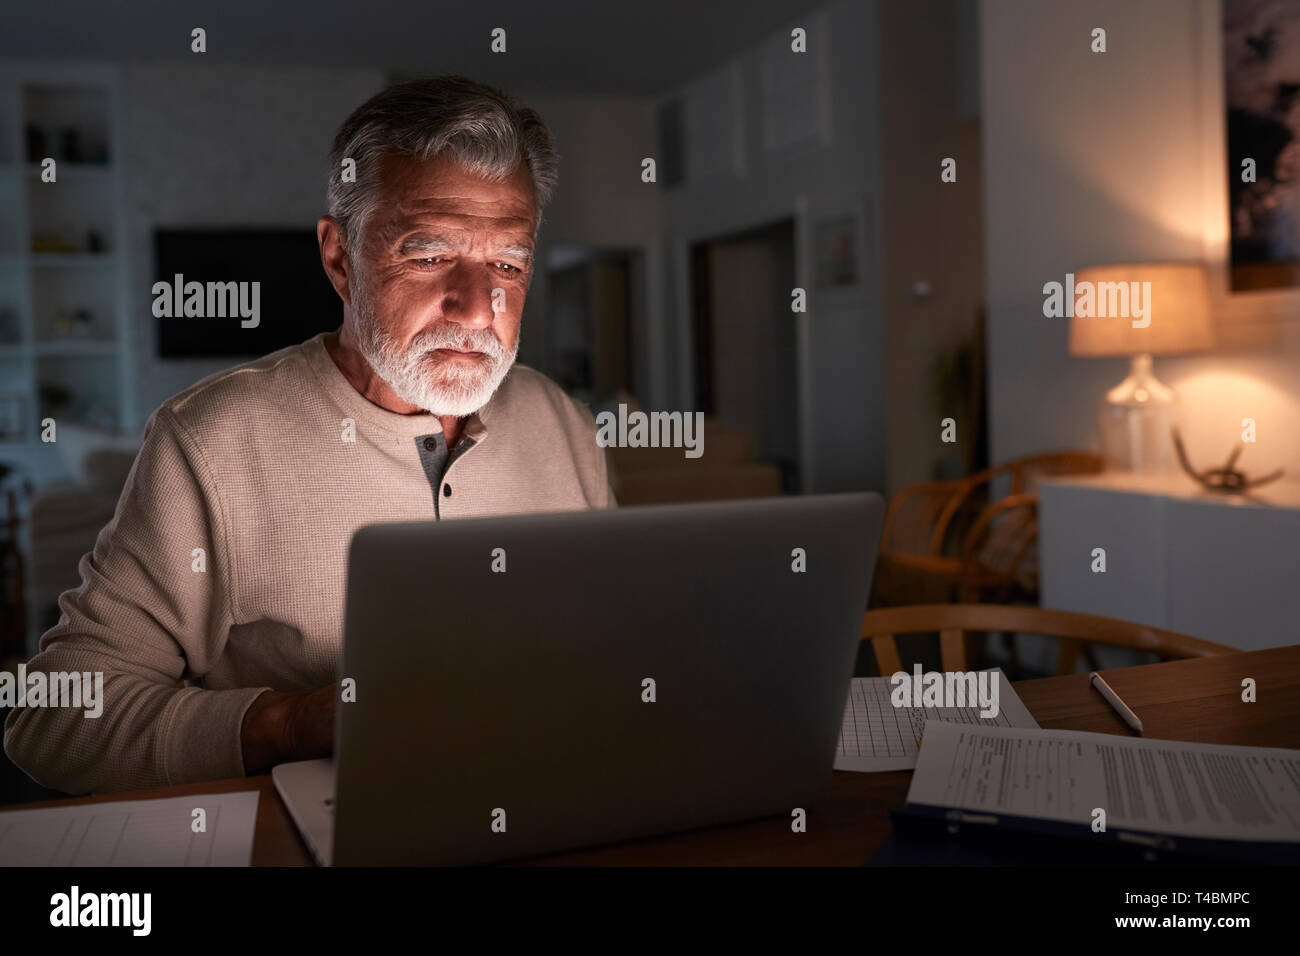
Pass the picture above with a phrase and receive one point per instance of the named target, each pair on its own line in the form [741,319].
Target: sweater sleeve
[153,610]
[607,479]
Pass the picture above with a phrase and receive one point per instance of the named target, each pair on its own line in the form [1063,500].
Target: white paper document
[133,833]
[877,736]
[1211,791]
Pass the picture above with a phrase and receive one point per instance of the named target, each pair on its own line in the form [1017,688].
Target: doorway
[593,312]
[746,349]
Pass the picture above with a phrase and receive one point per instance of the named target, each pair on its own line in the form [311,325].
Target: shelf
[75,348]
[71,260]
[77,172]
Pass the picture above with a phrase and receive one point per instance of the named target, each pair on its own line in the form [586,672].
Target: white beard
[416,374]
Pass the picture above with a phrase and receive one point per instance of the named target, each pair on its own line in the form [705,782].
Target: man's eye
[507,267]
[428,260]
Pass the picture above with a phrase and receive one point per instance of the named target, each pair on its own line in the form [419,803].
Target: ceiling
[600,47]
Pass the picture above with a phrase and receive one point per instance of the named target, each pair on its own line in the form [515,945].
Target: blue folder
[943,836]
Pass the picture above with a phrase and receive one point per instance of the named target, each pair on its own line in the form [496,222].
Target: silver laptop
[531,684]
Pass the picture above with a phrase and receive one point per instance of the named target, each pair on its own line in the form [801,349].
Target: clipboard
[951,836]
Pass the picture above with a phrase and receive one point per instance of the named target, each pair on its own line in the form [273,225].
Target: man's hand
[282,726]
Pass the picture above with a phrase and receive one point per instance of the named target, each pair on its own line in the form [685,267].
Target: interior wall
[842,378]
[932,230]
[221,145]
[1099,157]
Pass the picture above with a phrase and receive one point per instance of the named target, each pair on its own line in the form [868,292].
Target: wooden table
[1195,700]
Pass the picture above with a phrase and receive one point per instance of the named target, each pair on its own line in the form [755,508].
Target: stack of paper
[134,833]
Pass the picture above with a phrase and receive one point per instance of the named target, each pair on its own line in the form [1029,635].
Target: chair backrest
[952,621]
[1023,474]
[910,522]
[924,518]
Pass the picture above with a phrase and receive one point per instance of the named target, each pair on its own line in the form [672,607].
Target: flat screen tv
[294,298]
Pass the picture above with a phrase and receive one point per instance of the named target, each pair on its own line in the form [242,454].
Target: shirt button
[430,444]
[446,491]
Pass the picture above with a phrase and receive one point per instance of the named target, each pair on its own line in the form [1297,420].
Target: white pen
[1113,699]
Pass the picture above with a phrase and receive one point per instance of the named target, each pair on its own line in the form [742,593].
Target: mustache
[454,337]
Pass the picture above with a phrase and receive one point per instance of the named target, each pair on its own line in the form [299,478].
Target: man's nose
[467,296]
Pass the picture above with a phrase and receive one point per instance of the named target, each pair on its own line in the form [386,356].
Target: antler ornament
[1226,479]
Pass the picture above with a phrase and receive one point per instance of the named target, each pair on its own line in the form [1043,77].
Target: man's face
[438,284]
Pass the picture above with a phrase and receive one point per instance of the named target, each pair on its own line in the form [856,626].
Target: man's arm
[154,606]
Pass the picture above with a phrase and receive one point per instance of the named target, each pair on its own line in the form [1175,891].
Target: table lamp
[1140,310]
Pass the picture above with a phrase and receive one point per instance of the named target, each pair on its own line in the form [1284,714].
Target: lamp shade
[1140,308]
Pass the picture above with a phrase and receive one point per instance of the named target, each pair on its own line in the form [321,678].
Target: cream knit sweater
[222,571]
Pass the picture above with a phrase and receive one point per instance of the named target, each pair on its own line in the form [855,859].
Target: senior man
[213,601]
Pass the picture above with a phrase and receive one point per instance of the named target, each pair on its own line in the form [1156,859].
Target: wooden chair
[953,621]
[945,541]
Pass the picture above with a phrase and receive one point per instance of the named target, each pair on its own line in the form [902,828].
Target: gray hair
[480,127]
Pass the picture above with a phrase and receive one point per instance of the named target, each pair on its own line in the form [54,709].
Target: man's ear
[334,256]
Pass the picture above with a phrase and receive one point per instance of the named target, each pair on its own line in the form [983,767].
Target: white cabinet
[1221,567]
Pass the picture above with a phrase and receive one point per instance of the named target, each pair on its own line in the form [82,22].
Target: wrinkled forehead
[442,191]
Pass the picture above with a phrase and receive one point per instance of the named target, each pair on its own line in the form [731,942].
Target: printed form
[1212,791]
[877,736]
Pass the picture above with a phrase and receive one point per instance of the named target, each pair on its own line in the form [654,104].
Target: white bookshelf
[65,349]
[64,309]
